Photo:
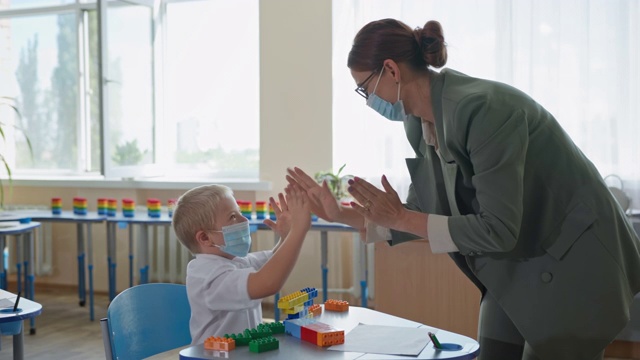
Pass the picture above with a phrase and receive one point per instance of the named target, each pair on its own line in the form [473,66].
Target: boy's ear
[202,238]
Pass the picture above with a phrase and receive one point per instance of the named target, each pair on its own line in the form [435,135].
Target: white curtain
[579,59]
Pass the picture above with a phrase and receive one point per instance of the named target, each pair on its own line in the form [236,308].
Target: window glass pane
[212,93]
[130,112]
[20,4]
[39,69]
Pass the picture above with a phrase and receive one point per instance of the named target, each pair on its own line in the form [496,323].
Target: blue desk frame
[90,218]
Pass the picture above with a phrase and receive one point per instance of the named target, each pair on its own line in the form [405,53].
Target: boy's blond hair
[195,211]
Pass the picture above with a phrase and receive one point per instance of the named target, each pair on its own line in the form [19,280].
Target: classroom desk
[145,221]
[12,323]
[87,220]
[294,348]
[24,250]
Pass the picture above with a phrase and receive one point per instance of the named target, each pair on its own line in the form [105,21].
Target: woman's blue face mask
[393,112]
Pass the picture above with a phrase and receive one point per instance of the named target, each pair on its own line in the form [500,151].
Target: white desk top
[294,348]
[29,308]
[14,227]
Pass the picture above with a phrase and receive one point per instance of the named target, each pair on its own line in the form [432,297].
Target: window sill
[150,183]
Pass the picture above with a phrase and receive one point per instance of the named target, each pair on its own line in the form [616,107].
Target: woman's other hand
[321,200]
[381,207]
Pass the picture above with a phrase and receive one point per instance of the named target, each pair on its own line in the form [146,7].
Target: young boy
[225,283]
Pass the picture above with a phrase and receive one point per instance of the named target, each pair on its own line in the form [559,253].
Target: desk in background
[87,221]
[294,348]
[24,250]
[11,323]
[144,221]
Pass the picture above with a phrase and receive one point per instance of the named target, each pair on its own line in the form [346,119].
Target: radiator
[168,258]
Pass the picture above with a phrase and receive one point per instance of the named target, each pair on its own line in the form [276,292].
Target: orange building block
[336,305]
[219,343]
[315,310]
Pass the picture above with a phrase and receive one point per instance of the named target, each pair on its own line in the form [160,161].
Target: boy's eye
[233,217]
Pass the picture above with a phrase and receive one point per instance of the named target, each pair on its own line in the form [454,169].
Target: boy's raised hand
[282,225]
[299,207]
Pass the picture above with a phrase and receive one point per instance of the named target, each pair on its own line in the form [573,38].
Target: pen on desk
[433,338]
[15,306]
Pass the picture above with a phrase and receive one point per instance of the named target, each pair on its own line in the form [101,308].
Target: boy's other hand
[282,225]
[299,207]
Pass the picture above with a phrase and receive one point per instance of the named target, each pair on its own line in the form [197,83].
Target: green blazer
[531,216]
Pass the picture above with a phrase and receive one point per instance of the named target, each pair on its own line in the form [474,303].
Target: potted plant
[337,183]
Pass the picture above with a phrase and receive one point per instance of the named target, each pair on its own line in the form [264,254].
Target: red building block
[322,334]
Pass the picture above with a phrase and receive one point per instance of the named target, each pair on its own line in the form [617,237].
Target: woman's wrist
[413,222]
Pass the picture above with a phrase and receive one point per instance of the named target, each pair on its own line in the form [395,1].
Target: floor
[64,331]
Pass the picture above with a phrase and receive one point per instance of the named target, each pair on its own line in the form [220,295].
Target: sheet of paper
[4,303]
[391,340]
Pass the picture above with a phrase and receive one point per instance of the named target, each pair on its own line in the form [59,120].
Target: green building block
[241,339]
[259,332]
[276,327]
[264,344]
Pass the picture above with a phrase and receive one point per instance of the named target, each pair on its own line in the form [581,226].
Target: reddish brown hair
[392,39]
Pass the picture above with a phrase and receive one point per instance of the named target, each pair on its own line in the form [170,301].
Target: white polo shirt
[218,295]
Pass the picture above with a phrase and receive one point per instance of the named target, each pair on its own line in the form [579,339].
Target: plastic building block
[128,207]
[304,313]
[79,205]
[262,211]
[102,206]
[240,339]
[264,344]
[315,310]
[336,305]
[322,334]
[153,207]
[219,343]
[276,327]
[112,207]
[292,300]
[293,326]
[294,310]
[171,205]
[259,332]
[313,292]
[246,208]
[56,205]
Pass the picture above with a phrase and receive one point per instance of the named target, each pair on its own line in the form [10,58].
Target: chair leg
[106,339]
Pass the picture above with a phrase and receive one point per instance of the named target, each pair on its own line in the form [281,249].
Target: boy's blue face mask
[237,239]
[393,112]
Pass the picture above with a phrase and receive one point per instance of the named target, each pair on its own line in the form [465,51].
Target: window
[578,59]
[181,88]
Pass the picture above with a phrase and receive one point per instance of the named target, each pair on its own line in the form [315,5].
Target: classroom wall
[295,130]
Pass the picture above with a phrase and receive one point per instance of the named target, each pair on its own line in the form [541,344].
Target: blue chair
[146,320]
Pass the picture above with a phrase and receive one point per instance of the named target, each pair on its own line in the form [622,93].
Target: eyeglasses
[361,89]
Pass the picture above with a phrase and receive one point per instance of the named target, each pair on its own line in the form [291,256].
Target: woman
[498,185]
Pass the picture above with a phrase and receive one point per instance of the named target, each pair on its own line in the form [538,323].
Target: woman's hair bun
[430,38]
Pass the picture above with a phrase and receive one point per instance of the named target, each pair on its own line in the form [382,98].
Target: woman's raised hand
[321,200]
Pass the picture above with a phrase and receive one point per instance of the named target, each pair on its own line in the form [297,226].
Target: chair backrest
[148,319]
